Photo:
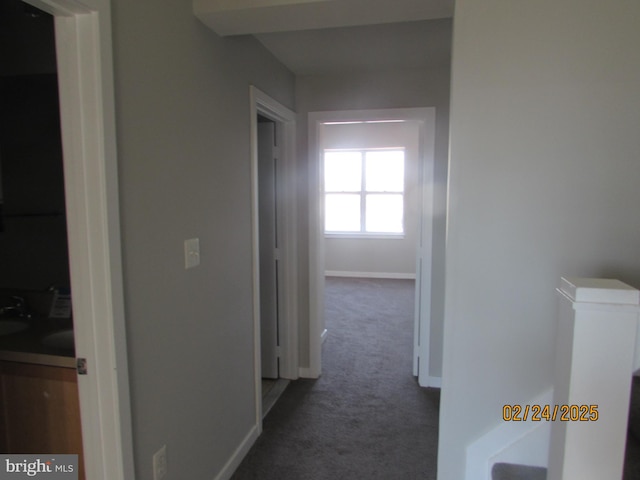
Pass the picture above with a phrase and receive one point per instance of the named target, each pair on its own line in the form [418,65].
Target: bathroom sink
[12,325]
[62,340]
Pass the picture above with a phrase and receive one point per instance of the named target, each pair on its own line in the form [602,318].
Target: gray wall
[377,90]
[378,255]
[182,106]
[544,182]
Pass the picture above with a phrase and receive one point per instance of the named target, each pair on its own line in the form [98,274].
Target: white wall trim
[316,246]
[502,444]
[261,103]
[239,454]
[85,77]
[399,276]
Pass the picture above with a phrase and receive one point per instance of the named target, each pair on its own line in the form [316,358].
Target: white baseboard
[399,276]
[239,454]
[306,372]
[435,382]
[516,442]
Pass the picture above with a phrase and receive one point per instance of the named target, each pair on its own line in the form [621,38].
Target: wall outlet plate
[160,463]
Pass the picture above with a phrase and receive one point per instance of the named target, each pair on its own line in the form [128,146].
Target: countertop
[27,347]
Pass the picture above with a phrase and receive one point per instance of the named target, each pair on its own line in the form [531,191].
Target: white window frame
[363,193]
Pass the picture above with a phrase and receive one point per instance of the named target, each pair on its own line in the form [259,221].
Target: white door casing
[285,119]
[425,117]
[85,77]
[422,335]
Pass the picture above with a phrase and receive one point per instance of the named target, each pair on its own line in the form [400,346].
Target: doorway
[37,371]
[424,120]
[274,249]
[85,77]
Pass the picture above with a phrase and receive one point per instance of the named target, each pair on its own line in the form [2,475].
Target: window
[364,191]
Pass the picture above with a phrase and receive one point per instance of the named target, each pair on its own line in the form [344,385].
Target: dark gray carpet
[507,471]
[366,417]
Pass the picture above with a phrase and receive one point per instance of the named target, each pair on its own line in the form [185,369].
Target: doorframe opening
[425,117]
[87,113]
[285,120]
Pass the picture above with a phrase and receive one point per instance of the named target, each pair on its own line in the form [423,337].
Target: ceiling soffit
[239,17]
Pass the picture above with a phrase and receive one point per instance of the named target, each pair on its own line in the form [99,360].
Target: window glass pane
[342,171]
[385,171]
[342,212]
[384,213]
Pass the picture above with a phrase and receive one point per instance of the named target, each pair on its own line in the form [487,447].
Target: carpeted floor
[365,417]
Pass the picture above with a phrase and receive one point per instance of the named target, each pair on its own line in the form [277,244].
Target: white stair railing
[595,349]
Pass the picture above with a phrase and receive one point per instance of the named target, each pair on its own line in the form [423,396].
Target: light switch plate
[191,253]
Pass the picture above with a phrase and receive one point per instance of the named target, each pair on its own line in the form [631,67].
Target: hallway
[365,417]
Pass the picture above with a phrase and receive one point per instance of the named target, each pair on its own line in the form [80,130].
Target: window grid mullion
[363,191]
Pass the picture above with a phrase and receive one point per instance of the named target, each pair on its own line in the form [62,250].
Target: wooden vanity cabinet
[40,410]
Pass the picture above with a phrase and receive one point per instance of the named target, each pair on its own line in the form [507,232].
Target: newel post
[595,346]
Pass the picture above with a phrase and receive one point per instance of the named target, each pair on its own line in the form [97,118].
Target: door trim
[285,119]
[87,112]
[426,120]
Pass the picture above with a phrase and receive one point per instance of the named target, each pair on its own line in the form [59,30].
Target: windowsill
[366,236]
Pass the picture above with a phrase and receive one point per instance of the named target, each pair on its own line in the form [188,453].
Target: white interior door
[268,232]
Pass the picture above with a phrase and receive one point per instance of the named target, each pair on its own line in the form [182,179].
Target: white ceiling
[325,36]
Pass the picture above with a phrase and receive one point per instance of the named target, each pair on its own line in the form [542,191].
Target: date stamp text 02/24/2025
[550,413]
